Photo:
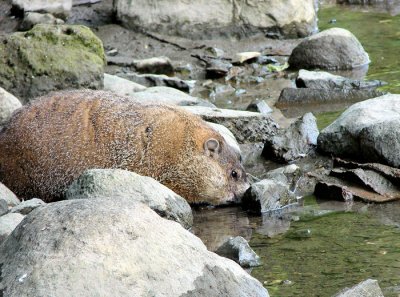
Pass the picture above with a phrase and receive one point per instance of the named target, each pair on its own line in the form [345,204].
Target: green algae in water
[341,250]
[379,33]
[326,118]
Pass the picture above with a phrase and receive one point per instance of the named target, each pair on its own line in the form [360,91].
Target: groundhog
[50,142]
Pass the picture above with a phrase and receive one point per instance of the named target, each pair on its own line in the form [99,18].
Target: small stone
[259,106]
[240,58]
[27,206]
[113,52]
[238,249]
[156,65]
[216,52]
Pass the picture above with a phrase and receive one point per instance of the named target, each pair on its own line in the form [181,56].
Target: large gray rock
[367,288]
[334,48]
[246,126]
[327,81]
[297,141]
[8,104]
[205,19]
[167,95]
[10,197]
[115,183]
[238,249]
[102,248]
[50,57]
[121,86]
[267,195]
[57,7]
[367,130]
[8,222]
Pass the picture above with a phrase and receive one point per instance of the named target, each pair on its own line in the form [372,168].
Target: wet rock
[259,106]
[217,68]
[294,142]
[8,222]
[33,18]
[60,8]
[8,104]
[121,86]
[367,288]
[267,195]
[9,196]
[153,80]
[139,252]
[156,65]
[292,96]
[287,175]
[116,183]
[241,58]
[167,95]
[50,57]
[334,48]
[367,130]
[328,81]
[3,207]
[205,20]
[246,126]
[27,206]
[238,249]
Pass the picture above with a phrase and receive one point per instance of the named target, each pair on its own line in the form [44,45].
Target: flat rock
[49,58]
[27,206]
[297,141]
[367,288]
[8,222]
[96,247]
[154,80]
[238,249]
[334,48]
[121,86]
[8,104]
[246,126]
[115,183]
[367,130]
[267,195]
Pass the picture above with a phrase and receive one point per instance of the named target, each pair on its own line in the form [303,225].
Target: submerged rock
[238,249]
[50,57]
[367,130]
[208,19]
[367,288]
[116,183]
[267,195]
[102,248]
[8,104]
[295,142]
[246,126]
[334,48]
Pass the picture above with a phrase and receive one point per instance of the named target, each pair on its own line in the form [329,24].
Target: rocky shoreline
[113,235]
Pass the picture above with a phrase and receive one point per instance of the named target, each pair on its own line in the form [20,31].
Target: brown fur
[49,143]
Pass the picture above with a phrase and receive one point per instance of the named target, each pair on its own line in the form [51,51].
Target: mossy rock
[51,57]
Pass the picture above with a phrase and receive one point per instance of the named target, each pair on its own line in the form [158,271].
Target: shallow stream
[321,247]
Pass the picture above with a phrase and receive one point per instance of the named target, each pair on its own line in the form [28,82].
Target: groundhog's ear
[211,147]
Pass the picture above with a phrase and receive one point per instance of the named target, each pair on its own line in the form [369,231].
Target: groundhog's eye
[234,174]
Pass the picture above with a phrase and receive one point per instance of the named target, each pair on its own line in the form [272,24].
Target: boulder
[27,206]
[115,183]
[8,222]
[238,249]
[94,247]
[33,18]
[8,104]
[246,126]
[334,48]
[50,57]
[366,131]
[168,95]
[297,141]
[367,288]
[208,19]
[121,86]
[10,197]
[156,80]
[267,195]
[60,8]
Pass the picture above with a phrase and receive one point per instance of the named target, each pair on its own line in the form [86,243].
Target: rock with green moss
[51,57]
